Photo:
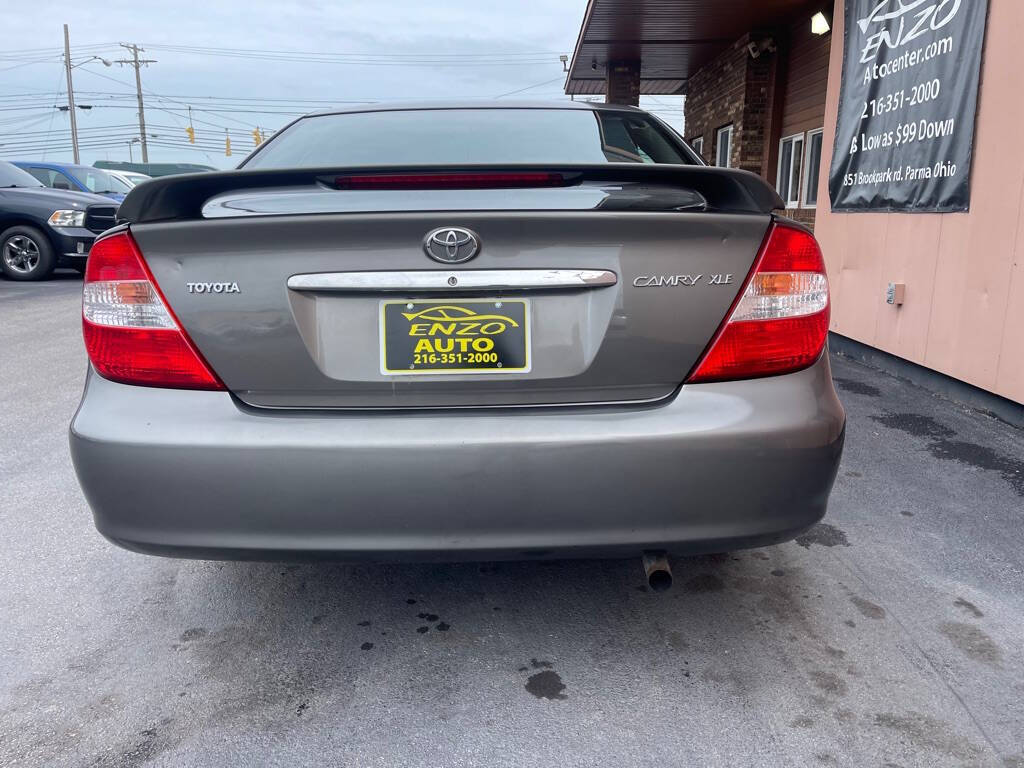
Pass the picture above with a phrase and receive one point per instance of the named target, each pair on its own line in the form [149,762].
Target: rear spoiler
[181,198]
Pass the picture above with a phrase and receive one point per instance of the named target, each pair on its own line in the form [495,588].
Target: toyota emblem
[451,245]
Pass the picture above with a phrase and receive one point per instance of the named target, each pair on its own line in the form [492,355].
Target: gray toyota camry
[457,331]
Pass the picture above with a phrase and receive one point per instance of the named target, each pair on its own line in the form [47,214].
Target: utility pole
[136,62]
[71,95]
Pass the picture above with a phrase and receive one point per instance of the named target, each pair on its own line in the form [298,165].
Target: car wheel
[26,254]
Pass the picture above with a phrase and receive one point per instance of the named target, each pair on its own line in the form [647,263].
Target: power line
[28,63]
[254,99]
[101,137]
[361,54]
[173,101]
[529,87]
[52,114]
[17,53]
[32,117]
[378,59]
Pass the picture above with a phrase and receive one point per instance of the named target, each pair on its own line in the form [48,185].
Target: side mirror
[61,185]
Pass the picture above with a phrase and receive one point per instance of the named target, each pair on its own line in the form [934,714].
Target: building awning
[671,39]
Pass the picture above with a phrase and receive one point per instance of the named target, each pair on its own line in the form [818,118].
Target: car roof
[54,166]
[398,106]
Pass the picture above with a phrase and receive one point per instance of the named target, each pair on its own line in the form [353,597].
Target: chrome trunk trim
[454,280]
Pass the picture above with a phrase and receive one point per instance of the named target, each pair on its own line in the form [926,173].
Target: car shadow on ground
[59,275]
[540,620]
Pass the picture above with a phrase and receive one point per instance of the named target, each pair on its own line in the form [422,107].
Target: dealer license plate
[467,336]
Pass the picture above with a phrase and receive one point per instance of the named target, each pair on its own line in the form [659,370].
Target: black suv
[42,228]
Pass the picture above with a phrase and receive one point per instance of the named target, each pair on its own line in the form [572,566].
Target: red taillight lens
[130,333]
[450,181]
[780,319]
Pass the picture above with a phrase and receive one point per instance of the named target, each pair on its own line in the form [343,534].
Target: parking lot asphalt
[892,634]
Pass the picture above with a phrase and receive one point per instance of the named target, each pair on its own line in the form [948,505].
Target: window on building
[723,139]
[698,145]
[791,157]
[812,167]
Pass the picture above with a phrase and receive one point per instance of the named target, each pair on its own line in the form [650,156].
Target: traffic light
[227,144]
[257,139]
[191,134]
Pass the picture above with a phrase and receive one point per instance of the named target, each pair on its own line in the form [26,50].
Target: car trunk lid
[283,310]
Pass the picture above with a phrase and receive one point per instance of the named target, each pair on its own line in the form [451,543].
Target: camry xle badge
[657,281]
[648,281]
[451,245]
[212,287]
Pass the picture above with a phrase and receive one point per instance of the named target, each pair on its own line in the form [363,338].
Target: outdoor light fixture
[104,62]
[821,23]
[593,64]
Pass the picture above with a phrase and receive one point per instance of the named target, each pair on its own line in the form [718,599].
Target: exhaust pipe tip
[657,570]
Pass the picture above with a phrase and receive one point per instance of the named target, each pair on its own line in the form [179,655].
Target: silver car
[457,331]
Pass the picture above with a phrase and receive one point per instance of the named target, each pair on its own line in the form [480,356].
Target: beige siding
[964,310]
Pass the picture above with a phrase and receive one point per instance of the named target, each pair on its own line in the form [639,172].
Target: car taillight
[130,333]
[780,319]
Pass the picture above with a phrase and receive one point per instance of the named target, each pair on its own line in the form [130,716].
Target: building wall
[775,95]
[731,90]
[803,96]
[964,308]
[806,79]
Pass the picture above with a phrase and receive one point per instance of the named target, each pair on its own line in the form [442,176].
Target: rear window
[471,136]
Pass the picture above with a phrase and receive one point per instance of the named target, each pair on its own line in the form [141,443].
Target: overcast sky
[263,63]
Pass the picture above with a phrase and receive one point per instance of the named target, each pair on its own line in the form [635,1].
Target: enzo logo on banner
[911,19]
[909,94]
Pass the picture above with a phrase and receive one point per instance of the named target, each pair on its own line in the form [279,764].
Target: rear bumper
[720,466]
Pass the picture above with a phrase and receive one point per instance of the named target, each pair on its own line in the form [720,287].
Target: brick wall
[715,97]
[757,109]
[733,88]
[622,85]
[804,215]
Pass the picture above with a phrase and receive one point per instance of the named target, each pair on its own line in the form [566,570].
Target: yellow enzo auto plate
[455,336]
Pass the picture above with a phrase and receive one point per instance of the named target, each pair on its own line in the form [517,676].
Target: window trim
[807,167]
[791,203]
[727,129]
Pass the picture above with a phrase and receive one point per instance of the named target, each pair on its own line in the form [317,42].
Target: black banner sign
[907,104]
